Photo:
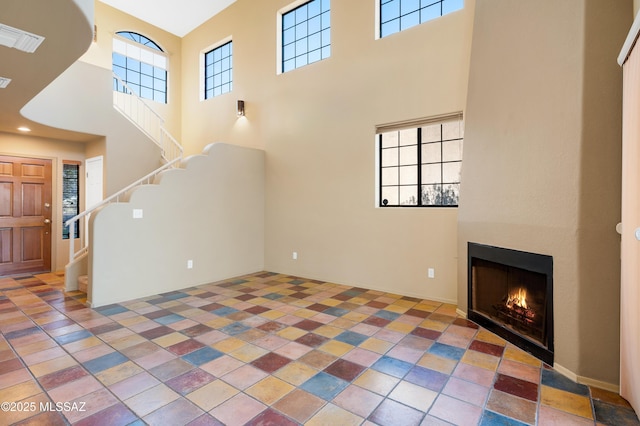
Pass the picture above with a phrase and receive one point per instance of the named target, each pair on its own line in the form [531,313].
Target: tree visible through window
[70,196]
[141,64]
[421,166]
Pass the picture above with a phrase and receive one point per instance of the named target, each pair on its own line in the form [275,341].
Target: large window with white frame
[306,34]
[399,15]
[141,65]
[218,70]
[420,164]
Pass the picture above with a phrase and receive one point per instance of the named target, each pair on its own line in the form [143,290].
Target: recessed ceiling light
[24,129]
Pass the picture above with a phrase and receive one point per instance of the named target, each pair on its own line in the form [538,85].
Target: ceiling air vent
[4,82]
[18,39]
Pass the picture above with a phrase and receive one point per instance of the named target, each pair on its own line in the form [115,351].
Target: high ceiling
[176,16]
[32,72]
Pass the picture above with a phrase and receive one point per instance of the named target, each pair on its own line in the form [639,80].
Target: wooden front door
[25,215]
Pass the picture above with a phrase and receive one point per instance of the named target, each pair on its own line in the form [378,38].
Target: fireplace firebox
[510,293]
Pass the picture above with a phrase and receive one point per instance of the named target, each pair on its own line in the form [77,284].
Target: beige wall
[108,21]
[58,151]
[210,212]
[542,161]
[317,123]
[129,154]
[66,103]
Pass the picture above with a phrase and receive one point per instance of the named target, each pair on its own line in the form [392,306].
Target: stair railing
[150,123]
[145,118]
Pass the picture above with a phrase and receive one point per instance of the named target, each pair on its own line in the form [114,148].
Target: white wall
[211,212]
[81,99]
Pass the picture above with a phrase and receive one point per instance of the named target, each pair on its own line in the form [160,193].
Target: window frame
[203,68]
[280,47]
[420,162]
[154,57]
[379,15]
[65,229]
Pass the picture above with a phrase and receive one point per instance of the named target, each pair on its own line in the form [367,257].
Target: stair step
[83,282]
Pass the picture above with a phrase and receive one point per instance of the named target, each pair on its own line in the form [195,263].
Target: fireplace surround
[510,293]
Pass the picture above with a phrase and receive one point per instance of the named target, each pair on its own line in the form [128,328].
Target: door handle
[47,221]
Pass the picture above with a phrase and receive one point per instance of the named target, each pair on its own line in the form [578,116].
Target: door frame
[48,213]
[629,59]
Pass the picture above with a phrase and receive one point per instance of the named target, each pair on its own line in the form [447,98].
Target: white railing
[151,124]
[145,118]
[84,216]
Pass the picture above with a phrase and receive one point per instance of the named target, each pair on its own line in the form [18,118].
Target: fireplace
[510,293]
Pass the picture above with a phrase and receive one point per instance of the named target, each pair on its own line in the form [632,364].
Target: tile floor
[270,349]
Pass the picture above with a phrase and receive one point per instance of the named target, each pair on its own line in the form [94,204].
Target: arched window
[141,64]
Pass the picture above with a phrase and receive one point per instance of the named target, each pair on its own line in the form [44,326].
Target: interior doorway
[94,183]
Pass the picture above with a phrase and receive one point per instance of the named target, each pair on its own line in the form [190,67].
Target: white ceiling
[176,16]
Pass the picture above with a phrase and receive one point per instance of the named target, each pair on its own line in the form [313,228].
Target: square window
[218,77]
[307,27]
[399,15]
[421,157]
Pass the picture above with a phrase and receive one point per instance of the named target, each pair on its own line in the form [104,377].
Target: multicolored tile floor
[271,349]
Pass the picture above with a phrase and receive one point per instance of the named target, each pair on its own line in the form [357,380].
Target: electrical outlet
[294,256]
[431,273]
[189,264]
[137,213]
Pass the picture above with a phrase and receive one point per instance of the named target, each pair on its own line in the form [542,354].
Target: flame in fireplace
[518,298]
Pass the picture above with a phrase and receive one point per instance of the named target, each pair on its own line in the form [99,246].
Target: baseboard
[586,380]
[599,384]
[463,314]
[565,372]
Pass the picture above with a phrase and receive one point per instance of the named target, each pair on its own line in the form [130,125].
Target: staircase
[138,112]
